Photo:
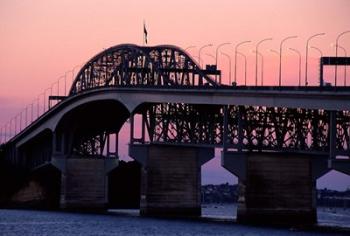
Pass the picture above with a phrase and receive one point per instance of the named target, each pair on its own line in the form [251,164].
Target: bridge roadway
[330,99]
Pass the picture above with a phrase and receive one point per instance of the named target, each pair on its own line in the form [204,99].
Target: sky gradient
[41,40]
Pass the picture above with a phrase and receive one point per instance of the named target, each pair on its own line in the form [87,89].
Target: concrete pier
[276,188]
[84,182]
[170,178]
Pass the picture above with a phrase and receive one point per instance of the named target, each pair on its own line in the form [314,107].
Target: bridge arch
[128,65]
[88,125]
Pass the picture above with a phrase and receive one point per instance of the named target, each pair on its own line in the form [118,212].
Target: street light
[189,47]
[280,70]
[15,118]
[10,128]
[245,67]
[299,54]
[336,54]
[211,56]
[275,52]
[1,135]
[65,82]
[20,121]
[321,55]
[236,52]
[5,132]
[262,66]
[345,54]
[216,58]
[307,53]
[229,61]
[256,58]
[26,119]
[32,112]
[201,48]
[73,70]
[318,50]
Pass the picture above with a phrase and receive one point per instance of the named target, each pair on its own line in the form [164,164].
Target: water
[336,217]
[127,222]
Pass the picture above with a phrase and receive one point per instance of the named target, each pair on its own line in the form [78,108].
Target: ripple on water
[26,222]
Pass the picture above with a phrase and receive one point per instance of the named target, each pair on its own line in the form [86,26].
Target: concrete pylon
[170,178]
[276,188]
[84,182]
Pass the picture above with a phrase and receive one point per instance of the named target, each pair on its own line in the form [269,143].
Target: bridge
[277,140]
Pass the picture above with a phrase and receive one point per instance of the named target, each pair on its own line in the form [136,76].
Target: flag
[145,32]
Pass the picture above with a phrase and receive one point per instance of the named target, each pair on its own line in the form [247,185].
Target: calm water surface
[127,222]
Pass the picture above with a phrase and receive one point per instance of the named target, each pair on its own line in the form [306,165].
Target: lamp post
[245,67]
[280,70]
[318,50]
[189,47]
[26,117]
[20,121]
[196,57]
[7,132]
[236,52]
[345,54]
[299,54]
[321,55]
[275,52]
[48,101]
[31,114]
[37,106]
[262,66]
[10,128]
[65,82]
[200,50]
[336,54]
[256,58]
[73,70]
[1,135]
[211,56]
[307,53]
[229,61]
[5,137]
[216,58]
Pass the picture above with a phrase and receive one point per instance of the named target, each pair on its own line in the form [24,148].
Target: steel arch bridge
[181,104]
[273,138]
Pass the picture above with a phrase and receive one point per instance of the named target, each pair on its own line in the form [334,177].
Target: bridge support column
[276,188]
[170,178]
[84,182]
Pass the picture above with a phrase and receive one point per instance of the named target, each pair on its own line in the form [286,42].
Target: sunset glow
[42,40]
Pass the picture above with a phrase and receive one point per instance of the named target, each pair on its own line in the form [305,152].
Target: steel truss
[247,128]
[132,65]
[95,145]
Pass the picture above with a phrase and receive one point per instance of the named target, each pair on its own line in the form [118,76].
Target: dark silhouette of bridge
[276,140]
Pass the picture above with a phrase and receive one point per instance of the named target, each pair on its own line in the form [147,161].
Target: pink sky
[40,39]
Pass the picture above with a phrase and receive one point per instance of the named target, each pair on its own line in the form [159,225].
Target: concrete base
[84,184]
[276,189]
[171,179]
[39,190]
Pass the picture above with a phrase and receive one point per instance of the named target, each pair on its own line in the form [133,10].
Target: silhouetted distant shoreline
[226,193]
